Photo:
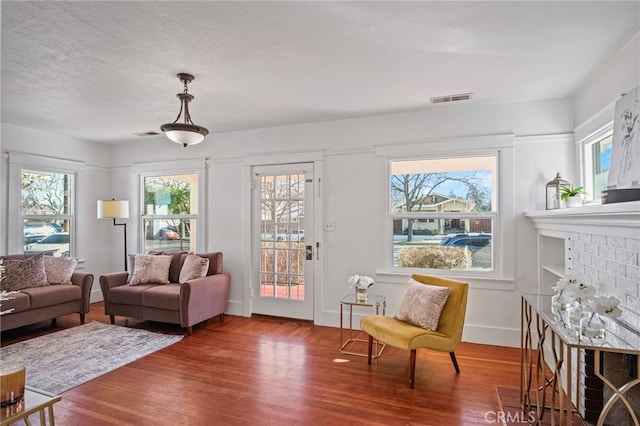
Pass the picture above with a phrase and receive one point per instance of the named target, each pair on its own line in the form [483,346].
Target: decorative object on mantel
[624,173]
[361,284]
[572,195]
[553,192]
[185,133]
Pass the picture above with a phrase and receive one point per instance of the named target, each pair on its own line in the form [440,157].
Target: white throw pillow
[422,304]
[59,269]
[193,267]
[151,269]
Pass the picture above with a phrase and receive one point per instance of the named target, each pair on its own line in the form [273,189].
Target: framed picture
[624,172]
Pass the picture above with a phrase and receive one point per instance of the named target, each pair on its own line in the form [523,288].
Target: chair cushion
[127,294]
[17,301]
[193,267]
[422,304]
[151,269]
[27,273]
[402,334]
[59,269]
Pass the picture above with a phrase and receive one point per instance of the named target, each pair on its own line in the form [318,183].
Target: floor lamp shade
[113,209]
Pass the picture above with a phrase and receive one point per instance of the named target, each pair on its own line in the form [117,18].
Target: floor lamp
[115,209]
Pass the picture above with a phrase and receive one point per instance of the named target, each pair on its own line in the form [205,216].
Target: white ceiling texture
[105,70]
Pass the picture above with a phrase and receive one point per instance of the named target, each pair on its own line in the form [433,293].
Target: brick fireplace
[601,247]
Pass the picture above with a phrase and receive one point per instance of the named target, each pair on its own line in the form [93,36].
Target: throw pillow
[193,267]
[151,269]
[59,269]
[422,304]
[25,273]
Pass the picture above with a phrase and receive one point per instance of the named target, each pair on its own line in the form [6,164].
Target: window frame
[18,163]
[586,157]
[198,217]
[500,146]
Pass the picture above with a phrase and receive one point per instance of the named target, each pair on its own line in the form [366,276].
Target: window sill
[477,282]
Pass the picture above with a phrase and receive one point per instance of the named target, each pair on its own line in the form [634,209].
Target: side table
[373,301]
[34,400]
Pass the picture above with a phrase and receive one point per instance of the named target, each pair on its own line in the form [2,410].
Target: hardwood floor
[268,371]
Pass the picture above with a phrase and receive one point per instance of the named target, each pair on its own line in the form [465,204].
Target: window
[46,210]
[170,215]
[443,212]
[597,158]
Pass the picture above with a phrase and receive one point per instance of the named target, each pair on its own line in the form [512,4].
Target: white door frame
[263,160]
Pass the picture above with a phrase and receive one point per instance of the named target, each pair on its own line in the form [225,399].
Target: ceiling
[104,70]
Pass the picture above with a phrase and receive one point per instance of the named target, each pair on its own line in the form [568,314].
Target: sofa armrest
[83,280]
[204,298]
[109,281]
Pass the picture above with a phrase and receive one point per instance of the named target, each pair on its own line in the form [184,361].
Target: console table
[34,401]
[545,343]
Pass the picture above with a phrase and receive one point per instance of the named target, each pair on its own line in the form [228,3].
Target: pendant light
[185,133]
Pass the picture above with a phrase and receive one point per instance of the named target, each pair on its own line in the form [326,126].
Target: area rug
[65,359]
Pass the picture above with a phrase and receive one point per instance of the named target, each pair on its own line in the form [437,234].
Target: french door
[283,252]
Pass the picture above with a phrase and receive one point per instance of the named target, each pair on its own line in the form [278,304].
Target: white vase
[575,201]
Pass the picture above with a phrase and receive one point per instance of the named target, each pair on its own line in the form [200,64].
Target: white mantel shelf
[619,219]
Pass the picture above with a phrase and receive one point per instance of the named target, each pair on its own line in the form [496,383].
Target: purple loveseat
[31,305]
[186,304]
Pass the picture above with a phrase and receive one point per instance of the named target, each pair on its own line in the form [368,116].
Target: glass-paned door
[283,256]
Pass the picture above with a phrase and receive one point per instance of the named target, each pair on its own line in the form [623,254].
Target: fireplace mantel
[619,219]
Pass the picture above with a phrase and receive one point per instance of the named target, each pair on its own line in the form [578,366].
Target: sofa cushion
[162,297]
[151,269]
[25,273]
[42,297]
[129,295]
[215,261]
[193,267]
[422,304]
[59,269]
[176,263]
[18,301]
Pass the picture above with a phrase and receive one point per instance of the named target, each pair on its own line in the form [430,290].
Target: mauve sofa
[31,305]
[186,304]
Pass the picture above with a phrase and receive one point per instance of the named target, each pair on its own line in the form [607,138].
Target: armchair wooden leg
[189,331]
[54,322]
[455,362]
[81,318]
[370,350]
[412,368]
[112,318]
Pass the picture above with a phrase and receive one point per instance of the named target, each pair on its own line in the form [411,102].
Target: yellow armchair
[410,337]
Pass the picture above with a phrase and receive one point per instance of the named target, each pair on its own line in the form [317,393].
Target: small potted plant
[572,195]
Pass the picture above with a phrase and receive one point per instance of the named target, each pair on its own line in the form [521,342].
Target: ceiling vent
[451,98]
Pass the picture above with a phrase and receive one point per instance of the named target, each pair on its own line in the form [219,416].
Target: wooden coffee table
[34,400]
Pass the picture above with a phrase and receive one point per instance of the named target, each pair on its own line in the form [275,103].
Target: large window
[170,213]
[444,212]
[597,158]
[47,213]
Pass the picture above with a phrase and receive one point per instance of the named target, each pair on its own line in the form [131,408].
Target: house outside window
[170,212]
[46,208]
[444,213]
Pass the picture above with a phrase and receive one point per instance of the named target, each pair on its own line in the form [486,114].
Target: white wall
[350,197]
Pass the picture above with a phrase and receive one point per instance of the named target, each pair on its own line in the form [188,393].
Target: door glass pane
[282,252]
